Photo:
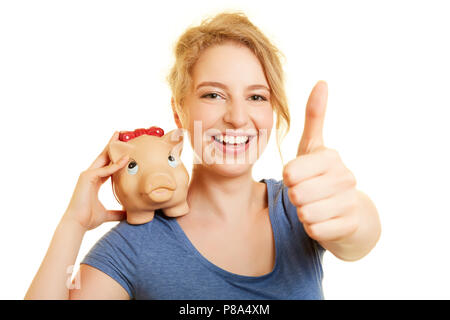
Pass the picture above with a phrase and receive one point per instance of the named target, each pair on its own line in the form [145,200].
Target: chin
[230,170]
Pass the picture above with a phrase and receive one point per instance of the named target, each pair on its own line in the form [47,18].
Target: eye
[132,167]
[211,95]
[172,161]
[257,97]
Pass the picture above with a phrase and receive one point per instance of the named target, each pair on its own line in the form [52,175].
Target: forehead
[146,146]
[229,63]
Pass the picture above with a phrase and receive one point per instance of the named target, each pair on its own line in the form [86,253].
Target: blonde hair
[219,29]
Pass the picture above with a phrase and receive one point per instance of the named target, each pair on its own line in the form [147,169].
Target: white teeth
[232,139]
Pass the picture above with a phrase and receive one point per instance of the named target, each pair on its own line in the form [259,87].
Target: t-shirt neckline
[274,222]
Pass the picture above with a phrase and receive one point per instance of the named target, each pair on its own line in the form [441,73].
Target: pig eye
[172,161]
[132,167]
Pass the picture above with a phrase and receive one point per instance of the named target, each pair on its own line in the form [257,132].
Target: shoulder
[286,213]
[124,235]
[279,201]
[118,253]
[128,239]
[120,246]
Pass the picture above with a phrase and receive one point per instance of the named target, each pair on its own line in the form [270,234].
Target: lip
[235,134]
[161,190]
[160,194]
[158,190]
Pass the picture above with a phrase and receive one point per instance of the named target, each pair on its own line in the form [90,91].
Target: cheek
[263,118]
[207,115]
[181,177]
[126,188]
[199,120]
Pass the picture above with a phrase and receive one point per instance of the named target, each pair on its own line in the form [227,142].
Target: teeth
[231,139]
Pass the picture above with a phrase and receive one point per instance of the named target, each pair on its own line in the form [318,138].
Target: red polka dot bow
[152,131]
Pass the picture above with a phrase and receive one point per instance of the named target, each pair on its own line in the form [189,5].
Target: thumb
[312,137]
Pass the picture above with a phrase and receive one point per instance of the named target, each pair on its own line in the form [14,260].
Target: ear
[175,114]
[175,138]
[118,149]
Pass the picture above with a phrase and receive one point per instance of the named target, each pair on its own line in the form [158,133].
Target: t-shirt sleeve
[291,212]
[116,254]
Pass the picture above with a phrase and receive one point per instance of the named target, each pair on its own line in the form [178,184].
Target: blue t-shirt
[156,260]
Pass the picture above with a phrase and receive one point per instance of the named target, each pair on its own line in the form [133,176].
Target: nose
[236,114]
[160,187]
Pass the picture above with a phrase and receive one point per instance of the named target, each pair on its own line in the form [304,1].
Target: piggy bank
[154,177]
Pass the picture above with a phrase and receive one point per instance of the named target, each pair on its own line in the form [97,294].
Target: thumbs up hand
[319,184]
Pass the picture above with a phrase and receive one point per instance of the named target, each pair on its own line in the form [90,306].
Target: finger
[111,168]
[116,215]
[103,158]
[312,137]
[328,208]
[318,188]
[103,179]
[307,166]
[334,229]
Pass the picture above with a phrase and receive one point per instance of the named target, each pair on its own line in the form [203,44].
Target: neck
[212,195]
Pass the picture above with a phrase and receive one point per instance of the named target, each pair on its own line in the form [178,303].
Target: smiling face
[229,104]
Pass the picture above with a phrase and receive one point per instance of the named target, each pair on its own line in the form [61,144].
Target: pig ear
[176,150]
[118,149]
[175,138]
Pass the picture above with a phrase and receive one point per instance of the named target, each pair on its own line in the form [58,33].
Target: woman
[242,239]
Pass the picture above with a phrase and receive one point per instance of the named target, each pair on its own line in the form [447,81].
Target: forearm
[51,280]
[362,241]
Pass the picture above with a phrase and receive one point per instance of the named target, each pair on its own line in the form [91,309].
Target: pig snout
[160,187]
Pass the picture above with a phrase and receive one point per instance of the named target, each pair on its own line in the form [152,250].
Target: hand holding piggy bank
[154,178]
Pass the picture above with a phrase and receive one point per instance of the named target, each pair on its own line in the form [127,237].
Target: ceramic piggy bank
[154,178]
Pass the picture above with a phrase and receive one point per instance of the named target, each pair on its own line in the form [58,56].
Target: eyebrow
[223,86]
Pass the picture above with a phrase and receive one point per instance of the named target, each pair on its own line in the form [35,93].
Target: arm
[362,241]
[85,212]
[95,284]
[52,280]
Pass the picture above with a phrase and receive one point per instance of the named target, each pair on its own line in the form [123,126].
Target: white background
[71,73]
